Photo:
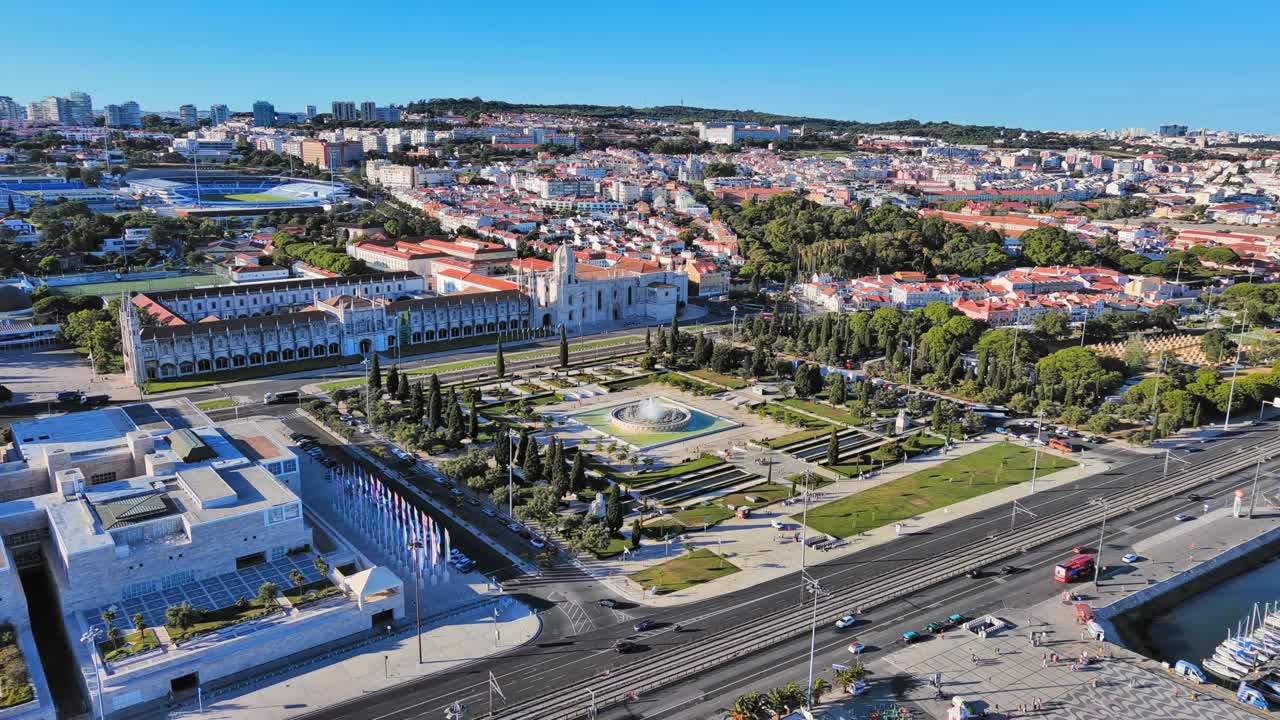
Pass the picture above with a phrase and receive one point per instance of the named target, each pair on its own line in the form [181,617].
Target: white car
[846,622]
[1130,558]
[1182,517]
[856,647]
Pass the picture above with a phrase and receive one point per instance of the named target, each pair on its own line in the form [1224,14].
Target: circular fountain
[650,415]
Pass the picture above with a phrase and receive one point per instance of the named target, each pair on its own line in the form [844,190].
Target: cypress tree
[673,339]
[522,447]
[613,510]
[375,373]
[453,417]
[532,464]
[434,403]
[549,458]
[405,389]
[473,421]
[419,402]
[502,446]
[833,449]
[393,381]
[578,476]
[564,348]
[698,346]
[500,362]
[648,335]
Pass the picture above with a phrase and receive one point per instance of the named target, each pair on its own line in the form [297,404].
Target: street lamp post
[816,588]
[1035,461]
[417,596]
[90,640]
[735,322]
[804,532]
[1235,370]
[1102,533]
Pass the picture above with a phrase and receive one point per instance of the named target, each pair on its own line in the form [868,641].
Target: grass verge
[219,404]
[712,376]
[694,568]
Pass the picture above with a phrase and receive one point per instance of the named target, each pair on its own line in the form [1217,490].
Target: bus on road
[281,397]
[1077,568]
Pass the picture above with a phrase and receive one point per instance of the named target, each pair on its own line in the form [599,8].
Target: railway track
[690,659]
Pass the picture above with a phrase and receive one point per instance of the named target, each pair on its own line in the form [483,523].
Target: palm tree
[267,593]
[139,624]
[180,616]
[321,566]
[749,705]
[297,578]
[820,685]
[109,617]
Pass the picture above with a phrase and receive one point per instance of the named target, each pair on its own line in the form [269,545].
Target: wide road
[540,668]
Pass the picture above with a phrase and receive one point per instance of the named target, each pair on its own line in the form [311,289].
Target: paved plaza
[1004,671]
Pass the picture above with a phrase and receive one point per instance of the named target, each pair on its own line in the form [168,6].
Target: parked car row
[312,448]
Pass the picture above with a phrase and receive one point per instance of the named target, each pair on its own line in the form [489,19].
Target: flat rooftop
[92,431]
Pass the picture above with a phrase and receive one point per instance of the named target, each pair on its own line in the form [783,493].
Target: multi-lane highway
[552,678]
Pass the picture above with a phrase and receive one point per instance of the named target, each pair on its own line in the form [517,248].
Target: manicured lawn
[312,592]
[788,417]
[796,437]
[226,376]
[221,618]
[616,546]
[712,376]
[690,569]
[978,473]
[216,404]
[823,410]
[647,477]
[130,645]
[764,493]
[181,282]
[256,197]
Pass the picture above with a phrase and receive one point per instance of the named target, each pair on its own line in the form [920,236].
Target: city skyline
[973,65]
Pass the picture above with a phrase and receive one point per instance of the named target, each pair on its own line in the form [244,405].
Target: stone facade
[282,323]
[582,297]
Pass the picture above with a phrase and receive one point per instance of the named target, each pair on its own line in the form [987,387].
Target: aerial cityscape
[375,386]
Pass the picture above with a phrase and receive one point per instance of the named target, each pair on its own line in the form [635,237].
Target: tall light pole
[511,484]
[416,545]
[1235,370]
[1035,461]
[90,640]
[804,533]
[735,322]
[1097,561]
[816,588]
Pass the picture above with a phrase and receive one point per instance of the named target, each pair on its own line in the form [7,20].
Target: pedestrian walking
[1044,661]
[974,657]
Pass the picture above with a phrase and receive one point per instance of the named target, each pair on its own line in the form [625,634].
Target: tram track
[690,659]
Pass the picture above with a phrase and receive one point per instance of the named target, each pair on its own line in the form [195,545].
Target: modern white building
[138,508]
[218,114]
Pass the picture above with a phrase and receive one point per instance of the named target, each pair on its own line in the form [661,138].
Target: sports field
[245,197]
[172,283]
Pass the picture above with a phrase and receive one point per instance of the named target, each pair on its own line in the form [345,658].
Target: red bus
[1077,568]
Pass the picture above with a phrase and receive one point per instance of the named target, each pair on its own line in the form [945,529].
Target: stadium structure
[234,195]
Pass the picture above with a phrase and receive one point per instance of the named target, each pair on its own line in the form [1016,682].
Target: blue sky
[1037,65]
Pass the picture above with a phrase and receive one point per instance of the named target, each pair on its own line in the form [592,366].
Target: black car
[975,573]
[1197,497]
[1008,570]
[624,646]
[645,624]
